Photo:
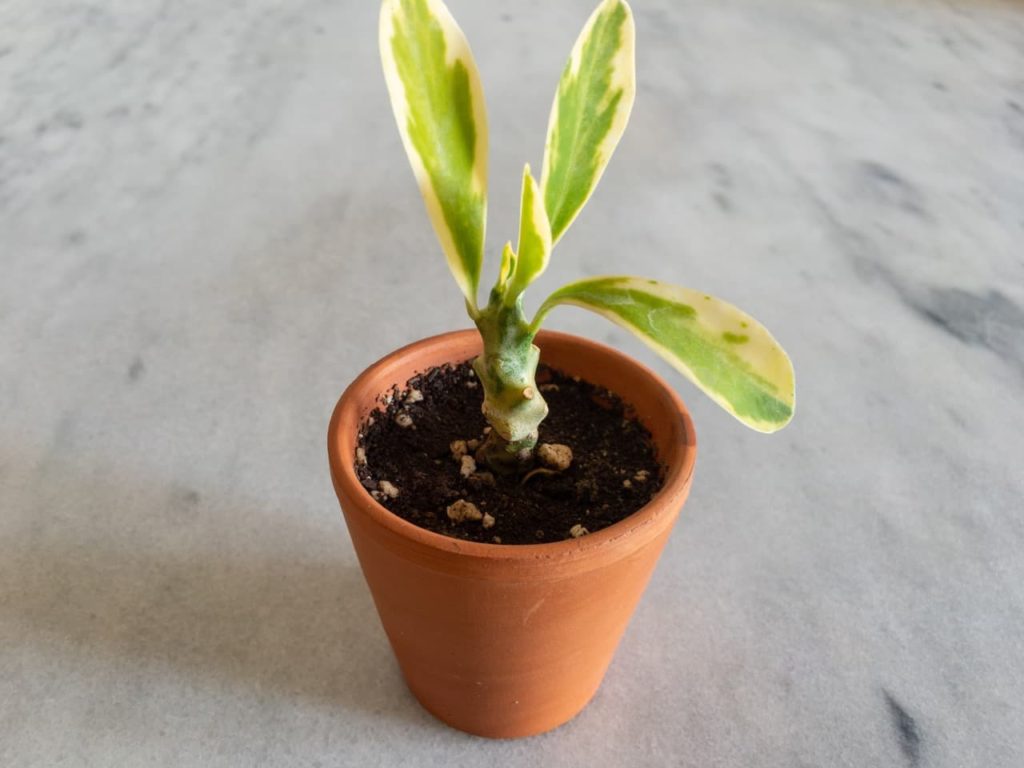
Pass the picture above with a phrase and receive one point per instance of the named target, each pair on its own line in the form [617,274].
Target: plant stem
[513,405]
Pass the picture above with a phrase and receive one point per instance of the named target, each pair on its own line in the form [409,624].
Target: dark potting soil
[407,447]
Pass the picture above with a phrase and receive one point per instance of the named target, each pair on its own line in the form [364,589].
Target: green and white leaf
[591,109]
[534,250]
[438,103]
[508,265]
[721,349]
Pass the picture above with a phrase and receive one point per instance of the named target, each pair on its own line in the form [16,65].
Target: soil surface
[406,460]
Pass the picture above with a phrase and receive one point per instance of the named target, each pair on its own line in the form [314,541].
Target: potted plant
[494,635]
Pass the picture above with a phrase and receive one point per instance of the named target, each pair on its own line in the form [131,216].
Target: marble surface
[207,229]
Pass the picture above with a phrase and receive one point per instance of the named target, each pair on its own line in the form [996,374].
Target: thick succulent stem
[513,405]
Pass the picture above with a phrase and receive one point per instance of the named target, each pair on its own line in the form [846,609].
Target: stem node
[512,403]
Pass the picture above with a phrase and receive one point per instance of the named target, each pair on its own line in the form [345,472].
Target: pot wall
[511,640]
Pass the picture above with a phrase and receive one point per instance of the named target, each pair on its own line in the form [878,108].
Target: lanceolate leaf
[439,105]
[722,350]
[595,96]
[508,266]
[534,238]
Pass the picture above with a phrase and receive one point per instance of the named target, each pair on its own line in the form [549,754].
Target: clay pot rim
[352,408]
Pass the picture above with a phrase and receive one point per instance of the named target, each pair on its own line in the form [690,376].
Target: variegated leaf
[508,265]
[721,349]
[439,105]
[591,109]
[534,250]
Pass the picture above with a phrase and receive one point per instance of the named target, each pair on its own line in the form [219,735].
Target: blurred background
[208,227]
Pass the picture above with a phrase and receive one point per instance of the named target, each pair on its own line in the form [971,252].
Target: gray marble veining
[207,228]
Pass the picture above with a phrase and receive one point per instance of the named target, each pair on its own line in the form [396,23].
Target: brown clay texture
[508,641]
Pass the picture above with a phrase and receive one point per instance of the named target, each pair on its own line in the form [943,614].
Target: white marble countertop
[207,229]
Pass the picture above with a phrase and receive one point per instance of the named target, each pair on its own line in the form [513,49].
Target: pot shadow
[107,578]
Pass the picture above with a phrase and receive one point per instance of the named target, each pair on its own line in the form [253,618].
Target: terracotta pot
[509,640]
